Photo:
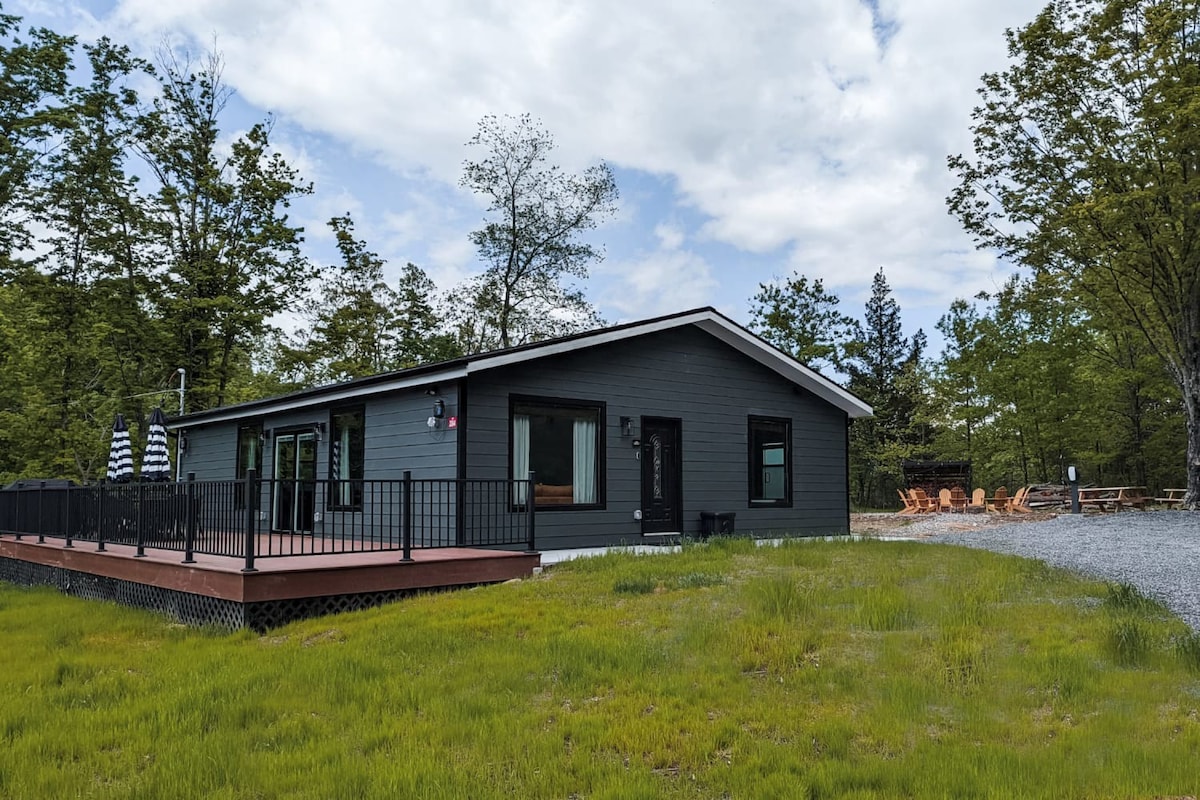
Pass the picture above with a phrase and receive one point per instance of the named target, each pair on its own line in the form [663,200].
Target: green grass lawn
[815,669]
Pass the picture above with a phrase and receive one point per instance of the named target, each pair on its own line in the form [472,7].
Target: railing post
[251,486]
[189,533]
[101,491]
[406,515]
[70,503]
[140,521]
[41,517]
[18,502]
[530,509]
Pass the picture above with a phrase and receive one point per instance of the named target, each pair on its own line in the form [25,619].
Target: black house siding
[687,374]
[397,438]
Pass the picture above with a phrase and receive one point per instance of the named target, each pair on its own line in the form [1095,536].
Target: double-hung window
[770,461]
[562,442]
[346,456]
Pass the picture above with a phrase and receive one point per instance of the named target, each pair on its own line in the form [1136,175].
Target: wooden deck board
[281,577]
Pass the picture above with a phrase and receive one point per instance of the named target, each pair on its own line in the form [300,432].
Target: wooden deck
[305,580]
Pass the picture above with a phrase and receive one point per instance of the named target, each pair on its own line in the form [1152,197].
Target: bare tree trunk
[1191,405]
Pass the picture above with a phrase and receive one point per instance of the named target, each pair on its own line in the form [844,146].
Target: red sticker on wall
[452,422]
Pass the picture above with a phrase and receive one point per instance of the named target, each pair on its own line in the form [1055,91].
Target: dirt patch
[923,526]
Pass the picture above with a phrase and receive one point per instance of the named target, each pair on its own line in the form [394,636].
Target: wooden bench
[1116,496]
[1174,497]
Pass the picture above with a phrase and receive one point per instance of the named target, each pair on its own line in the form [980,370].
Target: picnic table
[1173,497]
[1116,496]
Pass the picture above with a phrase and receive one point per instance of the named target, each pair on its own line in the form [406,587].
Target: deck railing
[255,518]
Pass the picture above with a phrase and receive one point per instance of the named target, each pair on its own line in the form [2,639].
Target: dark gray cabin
[635,433]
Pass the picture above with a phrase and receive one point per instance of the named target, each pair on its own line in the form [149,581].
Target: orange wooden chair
[1018,502]
[978,499]
[924,502]
[1000,501]
[910,505]
[958,499]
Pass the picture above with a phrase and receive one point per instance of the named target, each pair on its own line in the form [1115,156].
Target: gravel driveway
[1156,551]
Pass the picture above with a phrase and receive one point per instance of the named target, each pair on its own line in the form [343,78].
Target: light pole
[179,434]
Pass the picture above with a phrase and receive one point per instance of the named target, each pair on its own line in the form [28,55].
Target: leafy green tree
[532,240]
[962,407]
[884,369]
[358,325]
[421,328]
[351,314]
[1032,346]
[1085,166]
[34,76]
[800,318]
[233,257]
[92,281]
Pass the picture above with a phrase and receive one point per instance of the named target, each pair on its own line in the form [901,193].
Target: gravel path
[1156,551]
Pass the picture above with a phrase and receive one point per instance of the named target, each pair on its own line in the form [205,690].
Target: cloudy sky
[750,139]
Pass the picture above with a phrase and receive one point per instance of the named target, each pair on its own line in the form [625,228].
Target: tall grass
[815,669]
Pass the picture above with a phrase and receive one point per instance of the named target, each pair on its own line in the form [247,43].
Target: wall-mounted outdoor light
[319,430]
[439,408]
[626,426]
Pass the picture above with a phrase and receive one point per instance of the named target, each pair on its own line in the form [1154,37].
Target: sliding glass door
[295,482]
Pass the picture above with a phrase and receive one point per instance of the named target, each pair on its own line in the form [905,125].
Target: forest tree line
[135,239]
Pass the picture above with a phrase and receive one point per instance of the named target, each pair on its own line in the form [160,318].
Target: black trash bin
[717,523]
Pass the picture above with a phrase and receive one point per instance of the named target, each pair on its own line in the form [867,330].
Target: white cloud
[785,127]
[660,282]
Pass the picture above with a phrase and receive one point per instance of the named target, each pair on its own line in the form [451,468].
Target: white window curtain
[341,465]
[251,454]
[520,456]
[585,461]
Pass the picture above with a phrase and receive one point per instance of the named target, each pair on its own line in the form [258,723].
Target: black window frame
[755,463]
[356,482]
[601,409]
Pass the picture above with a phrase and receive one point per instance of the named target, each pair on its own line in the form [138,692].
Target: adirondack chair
[1018,501]
[924,502]
[944,500]
[958,499]
[910,505]
[978,499]
[999,503]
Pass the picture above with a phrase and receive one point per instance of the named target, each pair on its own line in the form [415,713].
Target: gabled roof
[706,319]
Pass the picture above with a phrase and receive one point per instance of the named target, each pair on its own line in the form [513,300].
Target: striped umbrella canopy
[120,455]
[156,465]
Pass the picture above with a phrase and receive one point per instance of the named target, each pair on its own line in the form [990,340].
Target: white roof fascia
[750,345]
[349,393]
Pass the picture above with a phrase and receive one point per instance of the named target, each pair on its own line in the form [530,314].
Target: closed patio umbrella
[156,465]
[120,456]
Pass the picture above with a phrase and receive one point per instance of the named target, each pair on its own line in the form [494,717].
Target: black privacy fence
[255,518]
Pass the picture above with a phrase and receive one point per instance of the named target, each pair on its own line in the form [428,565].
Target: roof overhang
[712,323]
[706,319]
[307,399]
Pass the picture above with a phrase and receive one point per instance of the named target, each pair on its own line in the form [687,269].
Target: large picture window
[770,461]
[562,441]
[346,455]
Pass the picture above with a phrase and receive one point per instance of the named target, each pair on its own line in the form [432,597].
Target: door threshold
[665,533]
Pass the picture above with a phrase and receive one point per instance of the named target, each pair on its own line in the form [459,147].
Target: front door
[295,482]
[662,487]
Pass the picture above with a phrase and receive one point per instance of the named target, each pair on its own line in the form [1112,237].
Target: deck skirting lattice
[186,607]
